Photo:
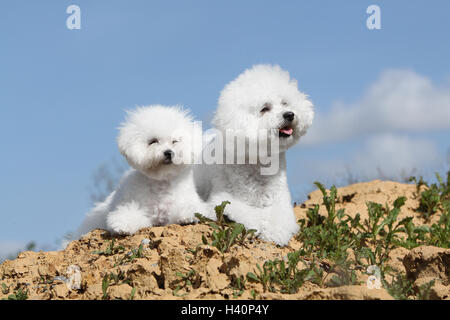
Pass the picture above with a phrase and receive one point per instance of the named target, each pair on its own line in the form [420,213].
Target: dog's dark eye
[284,103]
[174,141]
[266,107]
[152,141]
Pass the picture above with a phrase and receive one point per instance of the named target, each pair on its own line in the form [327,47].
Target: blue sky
[63,92]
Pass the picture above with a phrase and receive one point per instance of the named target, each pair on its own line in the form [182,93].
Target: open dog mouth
[285,132]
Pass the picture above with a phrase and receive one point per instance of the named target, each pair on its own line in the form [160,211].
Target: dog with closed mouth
[157,141]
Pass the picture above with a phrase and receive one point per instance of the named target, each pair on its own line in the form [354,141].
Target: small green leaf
[252,277]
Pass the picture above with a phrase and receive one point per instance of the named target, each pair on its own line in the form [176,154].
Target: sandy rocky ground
[77,272]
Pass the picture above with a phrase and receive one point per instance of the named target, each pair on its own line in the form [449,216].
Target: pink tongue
[287,131]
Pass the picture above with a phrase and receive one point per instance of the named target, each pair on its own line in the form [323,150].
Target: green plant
[286,277]
[225,233]
[5,288]
[415,235]
[328,236]
[189,279]
[435,196]
[137,253]
[238,286]
[132,255]
[343,275]
[381,233]
[400,288]
[119,277]
[113,279]
[334,235]
[419,183]
[133,293]
[424,291]
[262,277]
[440,232]
[19,294]
[331,236]
[111,249]
[105,286]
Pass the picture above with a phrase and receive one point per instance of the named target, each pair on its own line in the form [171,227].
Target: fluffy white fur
[158,190]
[258,99]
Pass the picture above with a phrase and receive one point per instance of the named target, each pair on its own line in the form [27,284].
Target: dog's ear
[123,150]
[124,146]
[309,111]
[305,110]
[131,145]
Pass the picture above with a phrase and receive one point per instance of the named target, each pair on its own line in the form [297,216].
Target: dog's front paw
[127,220]
[119,228]
[280,233]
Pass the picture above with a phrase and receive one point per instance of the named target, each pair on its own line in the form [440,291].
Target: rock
[144,275]
[122,291]
[427,263]
[349,293]
[215,280]
[172,261]
[61,290]
[438,291]
[94,292]
[74,277]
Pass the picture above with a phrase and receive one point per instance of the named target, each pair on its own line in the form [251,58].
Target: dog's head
[265,98]
[158,140]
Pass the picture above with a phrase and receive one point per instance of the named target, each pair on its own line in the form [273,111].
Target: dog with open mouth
[266,99]
[157,141]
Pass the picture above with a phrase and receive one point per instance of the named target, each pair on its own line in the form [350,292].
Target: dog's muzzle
[168,156]
[286,130]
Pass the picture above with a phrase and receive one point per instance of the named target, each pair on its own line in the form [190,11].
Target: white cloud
[400,100]
[382,156]
[392,155]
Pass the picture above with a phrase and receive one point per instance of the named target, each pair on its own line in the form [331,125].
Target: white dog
[157,142]
[263,98]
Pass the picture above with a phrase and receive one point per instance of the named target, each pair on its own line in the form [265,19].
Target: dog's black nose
[168,154]
[289,116]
